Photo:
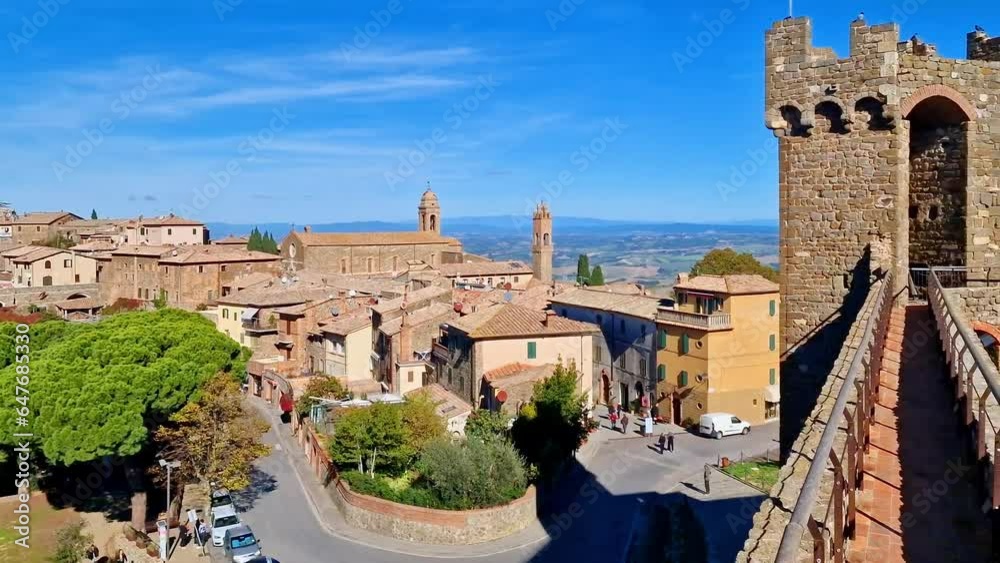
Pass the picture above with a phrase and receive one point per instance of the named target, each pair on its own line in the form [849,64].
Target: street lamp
[169,465]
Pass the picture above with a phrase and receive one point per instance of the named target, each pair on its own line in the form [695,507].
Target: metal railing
[976,381]
[715,321]
[829,537]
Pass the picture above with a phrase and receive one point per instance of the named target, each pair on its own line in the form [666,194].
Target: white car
[221,498]
[721,424]
[223,518]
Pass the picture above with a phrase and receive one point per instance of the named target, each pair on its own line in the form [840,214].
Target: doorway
[675,408]
[623,397]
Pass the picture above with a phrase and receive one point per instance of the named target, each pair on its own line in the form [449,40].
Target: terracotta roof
[479,269]
[169,220]
[79,304]
[372,239]
[232,239]
[736,284]
[95,246]
[632,305]
[518,372]
[427,314]
[141,250]
[21,250]
[447,404]
[423,294]
[39,254]
[209,254]
[301,308]
[43,217]
[251,279]
[504,321]
[277,294]
[346,324]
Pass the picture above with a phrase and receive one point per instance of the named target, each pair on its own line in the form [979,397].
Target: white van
[719,424]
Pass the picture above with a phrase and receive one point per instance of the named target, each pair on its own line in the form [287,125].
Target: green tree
[269,245]
[372,439]
[597,276]
[583,269]
[161,300]
[215,438]
[71,543]
[724,261]
[473,473]
[487,425]
[422,421]
[256,240]
[319,387]
[552,426]
[59,240]
[93,214]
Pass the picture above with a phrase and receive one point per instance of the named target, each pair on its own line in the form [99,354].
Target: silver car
[241,545]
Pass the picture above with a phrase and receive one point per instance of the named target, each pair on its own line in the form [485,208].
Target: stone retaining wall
[978,303]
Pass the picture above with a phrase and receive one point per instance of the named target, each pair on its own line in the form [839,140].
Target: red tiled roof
[735,284]
[43,217]
[504,321]
[170,220]
[372,239]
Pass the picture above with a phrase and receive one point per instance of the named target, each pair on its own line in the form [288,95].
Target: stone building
[488,275]
[372,253]
[30,228]
[394,343]
[893,147]
[541,243]
[624,353]
[166,230]
[42,266]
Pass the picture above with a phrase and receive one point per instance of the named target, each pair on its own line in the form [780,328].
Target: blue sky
[272,110]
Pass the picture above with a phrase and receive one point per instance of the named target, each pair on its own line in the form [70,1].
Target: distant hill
[505,224]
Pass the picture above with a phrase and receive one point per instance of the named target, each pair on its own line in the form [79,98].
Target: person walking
[670,442]
[648,430]
[613,417]
[708,480]
[625,423]
[663,442]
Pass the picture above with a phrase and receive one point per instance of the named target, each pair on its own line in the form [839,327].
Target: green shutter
[684,379]
[662,335]
[772,377]
[771,342]
[684,344]
[661,372]
[773,307]
[532,350]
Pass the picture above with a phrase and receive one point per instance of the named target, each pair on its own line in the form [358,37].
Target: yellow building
[717,349]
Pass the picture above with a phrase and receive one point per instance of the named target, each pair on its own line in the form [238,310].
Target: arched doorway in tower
[434,222]
[938,176]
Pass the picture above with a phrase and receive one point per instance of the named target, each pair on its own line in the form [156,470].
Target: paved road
[589,519]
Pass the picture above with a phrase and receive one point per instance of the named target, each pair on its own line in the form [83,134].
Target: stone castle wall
[937,195]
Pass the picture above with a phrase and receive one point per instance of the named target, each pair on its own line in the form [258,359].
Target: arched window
[545,239]
[834,116]
[48,265]
[434,222]
[793,119]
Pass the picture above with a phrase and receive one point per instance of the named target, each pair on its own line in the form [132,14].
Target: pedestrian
[202,531]
[662,441]
[670,442]
[613,417]
[649,426]
[708,479]
[625,423]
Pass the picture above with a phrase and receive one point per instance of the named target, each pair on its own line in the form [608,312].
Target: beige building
[487,275]
[372,253]
[166,230]
[39,266]
[502,335]
[718,350]
[343,348]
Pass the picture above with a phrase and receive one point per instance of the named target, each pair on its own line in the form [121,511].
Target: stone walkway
[918,502]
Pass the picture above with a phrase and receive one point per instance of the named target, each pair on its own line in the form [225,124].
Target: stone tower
[886,162]
[541,244]
[429,212]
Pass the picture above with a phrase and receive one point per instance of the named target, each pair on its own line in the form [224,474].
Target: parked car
[223,519]
[721,424]
[263,559]
[241,545]
[220,498]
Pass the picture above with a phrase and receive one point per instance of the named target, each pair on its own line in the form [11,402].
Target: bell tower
[541,243]
[429,212]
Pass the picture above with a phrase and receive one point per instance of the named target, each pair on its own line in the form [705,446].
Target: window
[194,231]
[515,279]
[76,278]
[661,372]
[201,269]
[67,263]
[370,264]
[642,367]
[685,345]
[409,376]
[532,350]
[772,377]
[771,342]
[461,384]
[683,379]
[597,353]
[170,231]
[225,313]
[343,265]
[449,376]
[773,307]
[48,265]
[661,339]
[621,361]
[222,267]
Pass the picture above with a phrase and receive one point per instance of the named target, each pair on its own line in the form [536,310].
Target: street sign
[161,527]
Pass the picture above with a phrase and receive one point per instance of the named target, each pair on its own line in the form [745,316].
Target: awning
[772,393]
[249,314]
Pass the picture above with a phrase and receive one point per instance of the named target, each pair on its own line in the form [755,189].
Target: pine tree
[597,276]
[256,241]
[583,270]
[93,214]
[269,245]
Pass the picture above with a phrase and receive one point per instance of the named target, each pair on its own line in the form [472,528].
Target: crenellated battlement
[982,47]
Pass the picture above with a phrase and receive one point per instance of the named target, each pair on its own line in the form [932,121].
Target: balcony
[440,352]
[254,326]
[715,321]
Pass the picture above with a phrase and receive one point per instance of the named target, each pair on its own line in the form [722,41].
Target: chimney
[549,313]
[405,339]
[307,229]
